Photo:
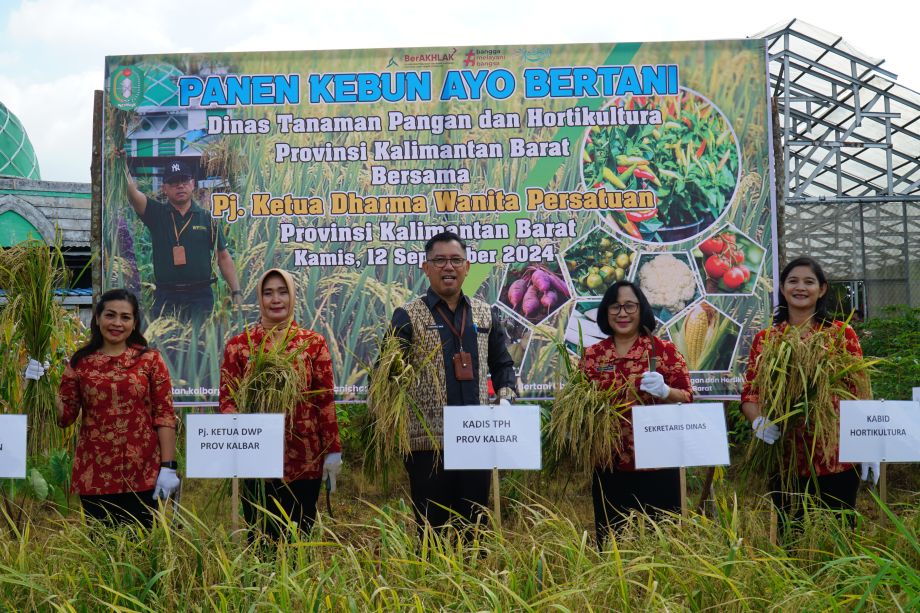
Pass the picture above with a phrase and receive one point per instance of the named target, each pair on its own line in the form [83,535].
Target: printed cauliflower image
[668,283]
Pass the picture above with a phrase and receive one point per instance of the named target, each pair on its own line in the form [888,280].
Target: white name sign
[234,445]
[492,436]
[676,435]
[879,431]
[13,446]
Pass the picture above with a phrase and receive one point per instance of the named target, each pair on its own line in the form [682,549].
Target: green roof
[160,87]
[14,229]
[17,158]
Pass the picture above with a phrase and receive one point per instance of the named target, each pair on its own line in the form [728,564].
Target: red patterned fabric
[824,462]
[123,400]
[602,364]
[311,429]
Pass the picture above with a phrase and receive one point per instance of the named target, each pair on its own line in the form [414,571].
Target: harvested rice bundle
[391,378]
[30,272]
[799,381]
[274,380]
[587,422]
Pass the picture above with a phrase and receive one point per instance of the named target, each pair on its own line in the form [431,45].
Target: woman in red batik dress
[312,451]
[126,448]
[621,361]
[803,304]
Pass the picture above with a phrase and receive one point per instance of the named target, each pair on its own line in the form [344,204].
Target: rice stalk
[274,380]
[587,421]
[800,380]
[31,272]
[389,402]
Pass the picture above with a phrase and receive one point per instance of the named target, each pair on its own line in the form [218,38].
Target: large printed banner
[564,168]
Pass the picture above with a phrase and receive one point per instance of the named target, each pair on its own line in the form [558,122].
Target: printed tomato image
[681,149]
[729,262]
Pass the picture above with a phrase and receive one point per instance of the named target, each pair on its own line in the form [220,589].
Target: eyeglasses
[629,307]
[442,262]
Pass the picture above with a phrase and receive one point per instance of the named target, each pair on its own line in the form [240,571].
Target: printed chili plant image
[535,291]
[706,337]
[668,281]
[681,148]
[581,330]
[597,261]
[729,262]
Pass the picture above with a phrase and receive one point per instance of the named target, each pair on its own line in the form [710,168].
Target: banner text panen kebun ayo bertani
[590,163]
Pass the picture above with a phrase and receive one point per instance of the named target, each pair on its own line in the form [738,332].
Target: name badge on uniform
[433,327]
[605,368]
[178,255]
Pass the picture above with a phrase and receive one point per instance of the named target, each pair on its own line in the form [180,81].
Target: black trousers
[120,509]
[297,498]
[617,492]
[186,305]
[440,495]
[836,492]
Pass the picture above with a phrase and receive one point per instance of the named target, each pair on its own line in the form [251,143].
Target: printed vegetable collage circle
[681,150]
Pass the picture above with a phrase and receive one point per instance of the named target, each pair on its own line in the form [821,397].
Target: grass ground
[370,557]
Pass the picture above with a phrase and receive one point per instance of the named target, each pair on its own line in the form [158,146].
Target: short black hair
[781,314]
[443,237]
[647,323]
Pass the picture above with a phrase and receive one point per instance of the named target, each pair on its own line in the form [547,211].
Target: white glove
[876,469]
[653,383]
[765,430]
[332,466]
[35,370]
[167,484]
[504,402]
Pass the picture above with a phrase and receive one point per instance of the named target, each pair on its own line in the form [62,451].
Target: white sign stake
[680,435]
[482,437]
[13,446]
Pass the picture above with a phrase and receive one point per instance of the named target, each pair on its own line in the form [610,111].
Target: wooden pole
[774,525]
[683,492]
[235,507]
[95,173]
[883,481]
[496,499]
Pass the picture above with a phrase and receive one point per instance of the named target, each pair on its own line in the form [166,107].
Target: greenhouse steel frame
[850,190]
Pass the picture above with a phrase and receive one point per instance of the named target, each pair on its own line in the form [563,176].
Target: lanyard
[176,231]
[450,324]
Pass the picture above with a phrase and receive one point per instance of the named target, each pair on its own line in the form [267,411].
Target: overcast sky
[52,51]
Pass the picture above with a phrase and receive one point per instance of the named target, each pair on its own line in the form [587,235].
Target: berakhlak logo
[470,60]
[126,87]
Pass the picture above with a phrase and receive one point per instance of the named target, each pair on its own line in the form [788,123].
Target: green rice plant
[543,560]
[587,421]
[274,379]
[800,378]
[30,272]
[391,379]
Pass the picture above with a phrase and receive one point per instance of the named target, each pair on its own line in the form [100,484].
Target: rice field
[371,557]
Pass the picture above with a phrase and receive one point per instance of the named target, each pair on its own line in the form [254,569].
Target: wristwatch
[236,292]
[171,464]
